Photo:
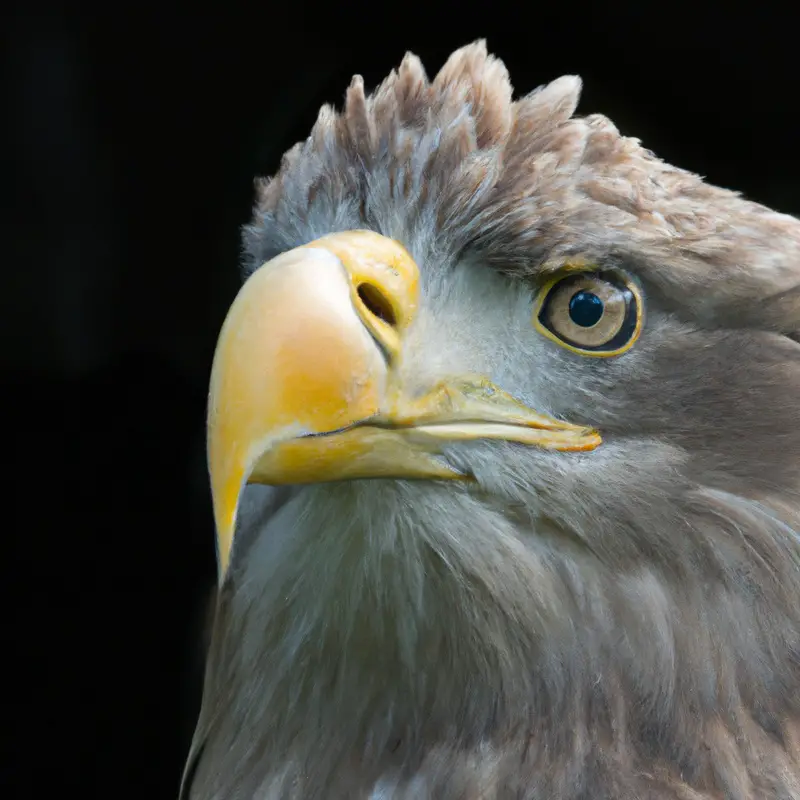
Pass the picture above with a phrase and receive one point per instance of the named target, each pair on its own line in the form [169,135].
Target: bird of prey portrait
[504,449]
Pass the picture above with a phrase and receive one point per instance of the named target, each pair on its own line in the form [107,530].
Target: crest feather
[456,164]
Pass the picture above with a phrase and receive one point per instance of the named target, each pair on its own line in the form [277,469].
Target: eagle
[504,449]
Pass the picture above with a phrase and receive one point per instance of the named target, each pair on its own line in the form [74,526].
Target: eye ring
[590,313]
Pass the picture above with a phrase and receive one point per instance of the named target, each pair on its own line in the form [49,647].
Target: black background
[130,139]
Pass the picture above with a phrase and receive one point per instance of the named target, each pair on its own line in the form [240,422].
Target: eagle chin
[504,448]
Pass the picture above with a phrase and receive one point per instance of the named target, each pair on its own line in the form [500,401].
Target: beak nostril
[377,303]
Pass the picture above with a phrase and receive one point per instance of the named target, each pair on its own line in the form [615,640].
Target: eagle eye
[590,313]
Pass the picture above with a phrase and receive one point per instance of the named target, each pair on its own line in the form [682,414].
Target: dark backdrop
[130,138]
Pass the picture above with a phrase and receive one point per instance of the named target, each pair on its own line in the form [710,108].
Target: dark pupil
[585,309]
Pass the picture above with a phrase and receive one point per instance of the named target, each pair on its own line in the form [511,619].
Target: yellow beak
[305,386]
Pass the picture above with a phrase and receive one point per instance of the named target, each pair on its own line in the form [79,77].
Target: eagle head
[504,446]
